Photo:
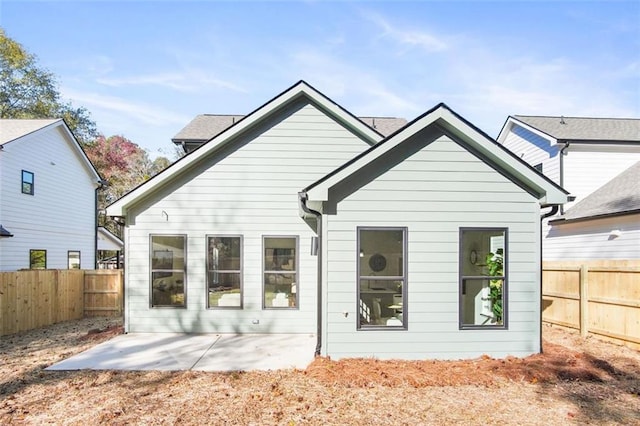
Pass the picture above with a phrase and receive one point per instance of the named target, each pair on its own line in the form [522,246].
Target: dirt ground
[575,381]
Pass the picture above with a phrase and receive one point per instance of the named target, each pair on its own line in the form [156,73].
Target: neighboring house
[604,225]
[581,155]
[47,197]
[109,242]
[205,127]
[300,218]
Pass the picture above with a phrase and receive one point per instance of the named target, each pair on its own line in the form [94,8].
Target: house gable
[240,132]
[442,121]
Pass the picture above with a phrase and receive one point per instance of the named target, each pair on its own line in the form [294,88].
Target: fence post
[584,300]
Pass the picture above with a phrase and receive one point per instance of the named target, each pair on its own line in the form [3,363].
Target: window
[382,278]
[224,272]
[538,167]
[168,270]
[280,289]
[27,182]
[483,282]
[73,259]
[37,259]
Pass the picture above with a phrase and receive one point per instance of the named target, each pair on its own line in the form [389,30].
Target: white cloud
[190,81]
[407,37]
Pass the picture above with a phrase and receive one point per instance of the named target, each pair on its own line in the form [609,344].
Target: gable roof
[447,122]
[14,129]
[580,129]
[107,240]
[621,195]
[206,126]
[298,91]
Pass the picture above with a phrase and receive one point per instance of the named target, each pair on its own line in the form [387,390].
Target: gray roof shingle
[620,195]
[205,126]
[585,128]
[14,128]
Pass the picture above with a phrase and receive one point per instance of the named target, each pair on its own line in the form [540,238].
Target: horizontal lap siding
[433,212]
[60,216]
[534,150]
[252,192]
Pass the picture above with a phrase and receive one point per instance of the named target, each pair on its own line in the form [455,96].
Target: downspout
[101,185]
[302,196]
[553,211]
[562,154]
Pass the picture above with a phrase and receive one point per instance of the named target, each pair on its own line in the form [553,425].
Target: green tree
[28,91]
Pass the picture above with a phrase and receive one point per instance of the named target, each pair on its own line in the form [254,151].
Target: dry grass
[575,381]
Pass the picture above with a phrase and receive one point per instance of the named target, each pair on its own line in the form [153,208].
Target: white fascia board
[503,159]
[76,147]
[119,207]
[552,141]
[462,131]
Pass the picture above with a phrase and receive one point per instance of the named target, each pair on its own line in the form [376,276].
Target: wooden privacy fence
[596,297]
[36,298]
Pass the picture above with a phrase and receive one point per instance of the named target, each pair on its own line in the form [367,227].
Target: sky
[144,69]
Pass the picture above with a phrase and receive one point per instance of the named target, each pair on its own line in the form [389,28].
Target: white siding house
[371,256]
[47,197]
[582,155]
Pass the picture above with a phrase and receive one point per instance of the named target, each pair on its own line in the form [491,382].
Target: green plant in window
[495,268]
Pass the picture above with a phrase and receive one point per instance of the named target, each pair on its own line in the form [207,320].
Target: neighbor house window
[27,182]
[73,259]
[483,277]
[538,167]
[224,271]
[382,278]
[280,288]
[37,259]
[168,270]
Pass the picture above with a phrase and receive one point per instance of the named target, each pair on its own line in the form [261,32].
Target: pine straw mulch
[575,381]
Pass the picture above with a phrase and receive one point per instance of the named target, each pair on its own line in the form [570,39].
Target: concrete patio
[200,352]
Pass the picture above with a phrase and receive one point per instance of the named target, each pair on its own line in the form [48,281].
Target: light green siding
[251,191]
[433,193]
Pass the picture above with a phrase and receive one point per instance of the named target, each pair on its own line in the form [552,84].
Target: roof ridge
[575,117]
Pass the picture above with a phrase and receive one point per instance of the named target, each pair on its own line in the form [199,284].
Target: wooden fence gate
[37,298]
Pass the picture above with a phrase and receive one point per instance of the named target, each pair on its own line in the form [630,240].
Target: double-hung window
[224,271]
[73,259]
[280,264]
[27,182]
[168,255]
[483,277]
[382,278]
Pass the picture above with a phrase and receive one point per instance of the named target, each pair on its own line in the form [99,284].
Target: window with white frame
[382,278]
[280,271]
[224,271]
[168,259]
[483,277]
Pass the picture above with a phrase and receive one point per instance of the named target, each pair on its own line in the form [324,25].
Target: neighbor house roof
[107,240]
[206,126]
[298,91]
[580,129]
[621,195]
[12,129]
[441,120]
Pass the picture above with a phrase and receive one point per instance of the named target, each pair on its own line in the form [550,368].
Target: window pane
[224,289]
[280,277]
[381,303]
[168,290]
[224,253]
[37,259]
[381,253]
[167,270]
[74,260]
[482,254]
